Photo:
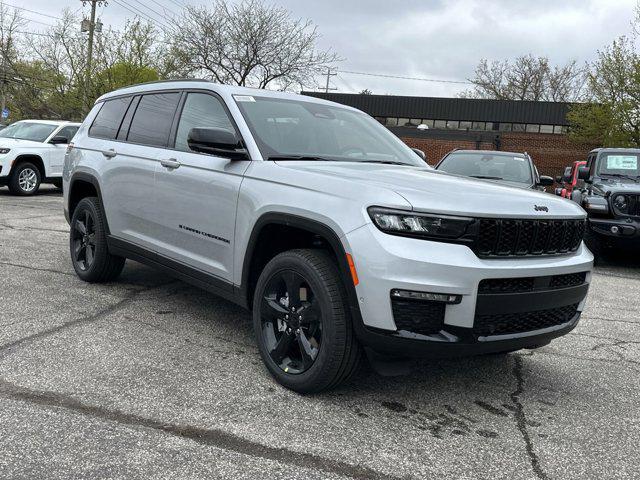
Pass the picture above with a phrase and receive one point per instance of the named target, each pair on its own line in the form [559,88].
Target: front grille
[517,238]
[510,323]
[529,284]
[418,316]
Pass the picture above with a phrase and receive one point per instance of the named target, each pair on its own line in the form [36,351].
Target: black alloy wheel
[84,240]
[291,322]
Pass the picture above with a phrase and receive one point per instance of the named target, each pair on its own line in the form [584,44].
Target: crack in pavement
[602,319]
[212,437]
[7,348]
[39,269]
[521,419]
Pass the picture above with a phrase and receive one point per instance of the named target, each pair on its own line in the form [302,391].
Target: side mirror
[216,141]
[59,140]
[545,181]
[420,153]
[583,173]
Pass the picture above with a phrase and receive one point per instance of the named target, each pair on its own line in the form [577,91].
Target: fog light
[615,230]
[433,297]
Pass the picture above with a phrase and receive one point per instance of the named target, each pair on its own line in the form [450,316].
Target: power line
[406,78]
[33,11]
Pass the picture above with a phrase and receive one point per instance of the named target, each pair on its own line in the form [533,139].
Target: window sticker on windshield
[520,159]
[622,162]
[244,98]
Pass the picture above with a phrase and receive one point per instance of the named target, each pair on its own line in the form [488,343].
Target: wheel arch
[33,158]
[83,185]
[253,263]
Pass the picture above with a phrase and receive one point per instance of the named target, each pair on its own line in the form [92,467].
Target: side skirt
[193,276]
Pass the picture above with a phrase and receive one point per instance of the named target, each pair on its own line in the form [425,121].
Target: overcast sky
[422,38]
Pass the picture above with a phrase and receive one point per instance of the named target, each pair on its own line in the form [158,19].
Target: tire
[25,179]
[88,244]
[325,317]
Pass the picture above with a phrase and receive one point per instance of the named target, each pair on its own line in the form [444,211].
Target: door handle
[170,163]
[109,153]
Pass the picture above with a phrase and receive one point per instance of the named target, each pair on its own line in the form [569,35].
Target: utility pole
[329,75]
[91,29]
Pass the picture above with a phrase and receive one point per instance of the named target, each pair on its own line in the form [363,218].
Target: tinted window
[201,111]
[152,121]
[109,118]
[67,132]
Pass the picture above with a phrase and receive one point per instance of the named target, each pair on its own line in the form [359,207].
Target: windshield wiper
[386,162]
[486,177]
[621,175]
[301,157]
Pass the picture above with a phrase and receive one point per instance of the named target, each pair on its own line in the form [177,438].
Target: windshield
[38,132]
[507,167]
[619,164]
[296,128]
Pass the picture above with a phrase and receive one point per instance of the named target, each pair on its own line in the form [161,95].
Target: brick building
[538,128]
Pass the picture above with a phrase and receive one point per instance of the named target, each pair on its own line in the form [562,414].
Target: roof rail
[166,81]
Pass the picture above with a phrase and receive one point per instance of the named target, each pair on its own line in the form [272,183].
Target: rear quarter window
[109,118]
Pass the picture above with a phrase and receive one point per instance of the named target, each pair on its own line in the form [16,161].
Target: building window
[559,129]
[427,122]
[414,122]
[402,122]
[465,125]
[440,124]
[518,127]
[382,120]
[504,127]
[391,122]
[533,128]
[546,128]
[478,126]
[453,124]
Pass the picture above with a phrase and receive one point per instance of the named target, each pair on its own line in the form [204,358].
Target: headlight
[621,203]
[4,151]
[419,224]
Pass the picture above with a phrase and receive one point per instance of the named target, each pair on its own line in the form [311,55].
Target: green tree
[612,116]
[122,74]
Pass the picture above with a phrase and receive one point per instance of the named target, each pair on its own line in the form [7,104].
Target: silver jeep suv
[338,236]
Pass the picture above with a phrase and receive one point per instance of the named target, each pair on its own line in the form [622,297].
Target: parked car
[568,180]
[513,169]
[32,152]
[335,233]
[610,193]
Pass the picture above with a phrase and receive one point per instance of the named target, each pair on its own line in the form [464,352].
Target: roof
[489,152]
[614,149]
[469,109]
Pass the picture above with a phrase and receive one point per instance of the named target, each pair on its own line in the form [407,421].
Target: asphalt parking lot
[151,378]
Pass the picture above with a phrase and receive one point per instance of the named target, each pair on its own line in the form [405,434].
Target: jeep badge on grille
[541,208]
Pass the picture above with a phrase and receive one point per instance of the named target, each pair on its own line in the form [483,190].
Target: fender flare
[87,177]
[312,226]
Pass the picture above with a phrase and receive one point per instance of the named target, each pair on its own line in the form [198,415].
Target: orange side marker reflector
[352,267]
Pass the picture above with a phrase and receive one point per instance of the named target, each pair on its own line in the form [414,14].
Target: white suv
[32,152]
[335,233]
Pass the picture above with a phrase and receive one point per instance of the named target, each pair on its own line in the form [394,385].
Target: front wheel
[25,179]
[302,322]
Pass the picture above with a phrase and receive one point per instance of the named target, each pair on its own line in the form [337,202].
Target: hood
[602,187]
[19,143]
[429,190]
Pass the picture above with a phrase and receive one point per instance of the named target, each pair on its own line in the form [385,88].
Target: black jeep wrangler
[609,190]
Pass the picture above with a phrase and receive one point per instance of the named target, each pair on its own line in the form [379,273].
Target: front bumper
[385,262]
[616,228]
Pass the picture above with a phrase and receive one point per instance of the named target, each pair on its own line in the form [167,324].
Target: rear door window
[67,132]
[151,124]
[107,122]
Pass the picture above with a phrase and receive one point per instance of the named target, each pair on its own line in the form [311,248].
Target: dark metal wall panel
[480,110]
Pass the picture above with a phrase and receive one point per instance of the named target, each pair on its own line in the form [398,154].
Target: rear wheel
[302,322]
[88,244]
[25,179]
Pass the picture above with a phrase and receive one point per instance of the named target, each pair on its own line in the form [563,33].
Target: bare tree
[527,78]
[248,43]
